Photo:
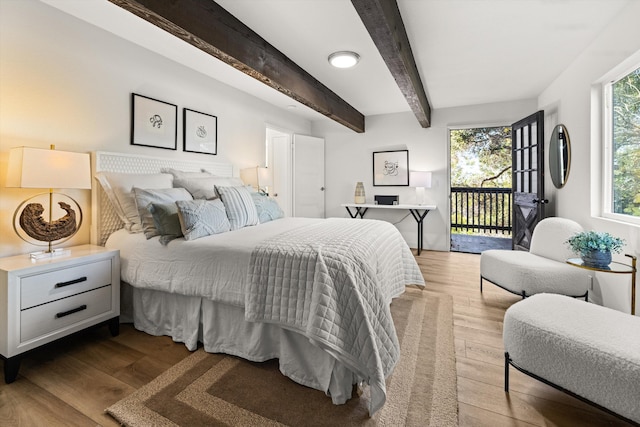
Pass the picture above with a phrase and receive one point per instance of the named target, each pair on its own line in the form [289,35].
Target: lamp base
[56,253]
[419,195]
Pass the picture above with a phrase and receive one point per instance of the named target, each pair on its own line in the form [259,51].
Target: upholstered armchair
[543,268]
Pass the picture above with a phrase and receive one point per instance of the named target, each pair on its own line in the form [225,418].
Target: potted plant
[595,247]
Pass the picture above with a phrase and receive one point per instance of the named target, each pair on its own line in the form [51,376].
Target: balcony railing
[481,210]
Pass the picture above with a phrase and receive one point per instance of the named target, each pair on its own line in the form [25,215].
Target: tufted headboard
[104,219]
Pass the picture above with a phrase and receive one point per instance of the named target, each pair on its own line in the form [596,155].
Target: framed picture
[391,168]
[153,123]
[200,132]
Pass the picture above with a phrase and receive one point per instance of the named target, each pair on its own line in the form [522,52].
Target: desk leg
[419,217]
[358,213]
[633,284]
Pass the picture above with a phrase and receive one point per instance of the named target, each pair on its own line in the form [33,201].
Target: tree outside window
[625,156]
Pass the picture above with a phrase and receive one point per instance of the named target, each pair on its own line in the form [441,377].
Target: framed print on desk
[391,168]
[200,132]
[153,123]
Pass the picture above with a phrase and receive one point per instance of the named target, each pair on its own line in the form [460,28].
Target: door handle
[321,188]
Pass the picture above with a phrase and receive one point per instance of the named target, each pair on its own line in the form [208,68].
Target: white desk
[418,212]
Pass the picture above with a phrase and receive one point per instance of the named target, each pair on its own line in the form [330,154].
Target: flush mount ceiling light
[344,59]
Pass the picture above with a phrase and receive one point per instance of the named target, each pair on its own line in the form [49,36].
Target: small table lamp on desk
[419,212]
[420,180]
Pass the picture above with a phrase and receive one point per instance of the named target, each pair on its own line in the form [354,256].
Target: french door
[527,138]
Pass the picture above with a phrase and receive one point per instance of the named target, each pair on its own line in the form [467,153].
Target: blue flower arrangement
[589,241]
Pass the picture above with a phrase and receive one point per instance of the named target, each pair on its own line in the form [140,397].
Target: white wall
[349,160]
[568,101]
[68,83]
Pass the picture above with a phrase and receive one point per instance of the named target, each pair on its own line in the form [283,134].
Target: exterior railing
[481,210]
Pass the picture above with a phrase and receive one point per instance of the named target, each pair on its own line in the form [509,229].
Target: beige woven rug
[214,389]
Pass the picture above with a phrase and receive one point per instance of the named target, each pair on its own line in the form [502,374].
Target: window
[622,147]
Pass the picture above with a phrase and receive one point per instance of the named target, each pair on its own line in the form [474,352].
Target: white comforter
[333,282]
[329,279]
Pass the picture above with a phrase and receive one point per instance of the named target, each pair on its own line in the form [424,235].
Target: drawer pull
[75,310]
[71,282]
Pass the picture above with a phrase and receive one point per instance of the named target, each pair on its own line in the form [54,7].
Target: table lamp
[258,177]
[420,180]
[42,168]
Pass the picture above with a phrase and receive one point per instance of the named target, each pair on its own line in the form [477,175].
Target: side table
[615,267]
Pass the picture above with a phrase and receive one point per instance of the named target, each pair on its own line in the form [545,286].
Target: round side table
[615,267]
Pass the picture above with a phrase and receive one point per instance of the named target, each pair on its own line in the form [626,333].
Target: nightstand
[44,300]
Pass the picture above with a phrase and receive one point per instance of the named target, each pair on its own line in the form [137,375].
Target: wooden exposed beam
[209,27]
[384,23]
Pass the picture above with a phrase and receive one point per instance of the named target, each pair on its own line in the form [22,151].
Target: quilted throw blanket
[333,282]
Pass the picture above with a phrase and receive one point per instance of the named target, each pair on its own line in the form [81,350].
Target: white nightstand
[42,301]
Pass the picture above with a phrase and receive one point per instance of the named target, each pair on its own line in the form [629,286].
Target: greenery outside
[626,145]
[481,159]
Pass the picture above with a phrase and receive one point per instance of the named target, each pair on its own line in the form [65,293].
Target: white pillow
[205,187]
[241,210]
[145,197]
[118,188]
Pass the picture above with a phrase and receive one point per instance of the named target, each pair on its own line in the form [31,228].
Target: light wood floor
[71,382]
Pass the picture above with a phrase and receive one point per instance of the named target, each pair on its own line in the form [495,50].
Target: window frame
[617,74]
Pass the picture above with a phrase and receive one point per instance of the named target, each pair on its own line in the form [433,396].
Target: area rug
[215,389]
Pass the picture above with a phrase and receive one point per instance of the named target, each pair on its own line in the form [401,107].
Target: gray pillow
[204,187]
[165,218]
[267,208]
[199,218]
[239,205]
[144,198]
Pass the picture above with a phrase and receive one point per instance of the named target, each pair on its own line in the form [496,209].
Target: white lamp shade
[250,176]
[420,179]
[265,179]
[42,168]
[257,177]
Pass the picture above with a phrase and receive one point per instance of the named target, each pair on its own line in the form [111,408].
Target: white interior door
[279,161]
[308,176]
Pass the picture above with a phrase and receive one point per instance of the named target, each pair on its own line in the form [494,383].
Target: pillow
[118,187]
[145,197]
[204,187]
[239,205]
[267,208]
[184,174]
[200,218]
[166,220]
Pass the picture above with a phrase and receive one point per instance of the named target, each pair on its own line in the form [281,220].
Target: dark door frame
[527,147]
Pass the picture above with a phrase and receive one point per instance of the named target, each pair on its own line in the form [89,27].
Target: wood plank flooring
[71,382]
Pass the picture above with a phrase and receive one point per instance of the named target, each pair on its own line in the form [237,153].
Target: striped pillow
[239,205]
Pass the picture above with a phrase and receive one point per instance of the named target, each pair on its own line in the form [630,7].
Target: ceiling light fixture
[344,59]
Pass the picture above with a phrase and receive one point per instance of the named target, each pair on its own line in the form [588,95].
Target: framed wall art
[154,123]
[391,168]
[200,132]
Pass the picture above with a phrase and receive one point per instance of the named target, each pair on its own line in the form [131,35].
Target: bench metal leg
[506,372]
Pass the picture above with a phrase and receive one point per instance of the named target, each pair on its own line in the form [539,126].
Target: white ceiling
[468,51]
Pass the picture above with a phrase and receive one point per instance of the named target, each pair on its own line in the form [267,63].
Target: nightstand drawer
[56,315]
[53,285]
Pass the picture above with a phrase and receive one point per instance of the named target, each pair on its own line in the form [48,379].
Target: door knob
[321,188]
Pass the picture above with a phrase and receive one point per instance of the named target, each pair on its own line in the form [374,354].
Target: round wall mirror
[559,156]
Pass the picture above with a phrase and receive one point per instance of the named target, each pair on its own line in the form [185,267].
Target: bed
[313,293]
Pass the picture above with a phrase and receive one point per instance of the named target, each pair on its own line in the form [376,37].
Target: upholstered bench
[589,351]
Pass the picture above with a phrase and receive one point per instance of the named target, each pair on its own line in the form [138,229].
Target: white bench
[589,351]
